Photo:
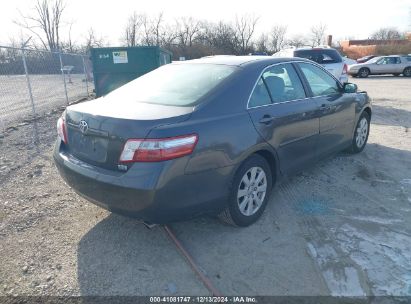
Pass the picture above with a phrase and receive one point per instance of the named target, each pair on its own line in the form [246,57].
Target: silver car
[394,64]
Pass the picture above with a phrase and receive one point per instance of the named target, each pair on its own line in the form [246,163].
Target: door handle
[266,119]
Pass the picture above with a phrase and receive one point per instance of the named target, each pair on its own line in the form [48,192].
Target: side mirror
[350,87]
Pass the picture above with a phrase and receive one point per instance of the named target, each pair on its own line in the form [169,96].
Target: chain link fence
[34,82]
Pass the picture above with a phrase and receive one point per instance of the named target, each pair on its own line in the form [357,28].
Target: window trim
[303,80]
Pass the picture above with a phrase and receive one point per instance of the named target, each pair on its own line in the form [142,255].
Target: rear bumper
[155,192]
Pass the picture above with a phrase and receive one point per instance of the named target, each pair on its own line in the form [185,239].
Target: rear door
[337,110]
[285,117]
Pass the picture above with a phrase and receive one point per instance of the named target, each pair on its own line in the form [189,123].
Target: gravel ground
[342,227]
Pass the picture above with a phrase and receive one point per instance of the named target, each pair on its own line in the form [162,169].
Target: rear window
[175,84]
[320,56]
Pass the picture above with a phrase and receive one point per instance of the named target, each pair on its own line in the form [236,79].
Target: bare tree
[262,44]
[297,41]
[244,28]
[147,31]
[69,45]
[132,30]
[188,29]
[220,36]
[152,29]
[45,22]
[317,34]
[277,37]
[386,33]
[156,28]
[92,40]
[169,35]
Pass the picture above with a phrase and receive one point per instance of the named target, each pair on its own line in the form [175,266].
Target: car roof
[309,48]
[242,60]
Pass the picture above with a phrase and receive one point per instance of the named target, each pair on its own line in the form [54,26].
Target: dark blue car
[207,136]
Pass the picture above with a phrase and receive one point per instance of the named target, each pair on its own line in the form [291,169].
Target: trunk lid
[97,130]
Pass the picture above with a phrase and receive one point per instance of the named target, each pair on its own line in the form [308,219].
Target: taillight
[61,130]
[154,150]
[345,68]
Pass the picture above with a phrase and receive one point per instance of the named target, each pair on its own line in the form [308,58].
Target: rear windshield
[175,84]
[320,56]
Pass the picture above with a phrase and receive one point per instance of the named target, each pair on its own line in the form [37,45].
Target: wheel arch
[367,110]
[407,67]
[271,160]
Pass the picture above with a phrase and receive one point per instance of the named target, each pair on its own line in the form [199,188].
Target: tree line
[185,37]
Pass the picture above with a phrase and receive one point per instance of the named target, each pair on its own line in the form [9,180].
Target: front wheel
[407,72]
[362,130]
[249,193]
[363,72]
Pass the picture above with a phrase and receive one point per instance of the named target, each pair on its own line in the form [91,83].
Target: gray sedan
[207,136]
[394,64]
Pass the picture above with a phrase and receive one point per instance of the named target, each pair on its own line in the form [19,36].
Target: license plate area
[89,147]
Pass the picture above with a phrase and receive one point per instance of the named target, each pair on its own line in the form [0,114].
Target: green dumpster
[115,66]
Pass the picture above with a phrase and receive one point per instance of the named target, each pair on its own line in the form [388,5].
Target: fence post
[85,74]
[64,78]
[28,83]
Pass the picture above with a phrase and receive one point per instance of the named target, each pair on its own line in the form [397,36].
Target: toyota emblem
[83,126]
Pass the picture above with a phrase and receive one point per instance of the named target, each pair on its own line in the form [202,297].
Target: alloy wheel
[362,132]
[251,191]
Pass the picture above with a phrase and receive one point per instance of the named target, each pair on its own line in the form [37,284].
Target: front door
[337,110]
[285,117]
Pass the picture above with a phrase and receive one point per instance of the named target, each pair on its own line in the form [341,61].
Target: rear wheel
[363,72]
[361,133]
[249,193]
[407,72]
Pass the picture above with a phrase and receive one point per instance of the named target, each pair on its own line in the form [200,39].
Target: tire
[407,72]
[354,75]
[360,134]
[396,74]
[363,72]
[244,210]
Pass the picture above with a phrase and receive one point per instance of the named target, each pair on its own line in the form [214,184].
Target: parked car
[393,64]
[207,136]
[349,61]
[365,58]
[328,57]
